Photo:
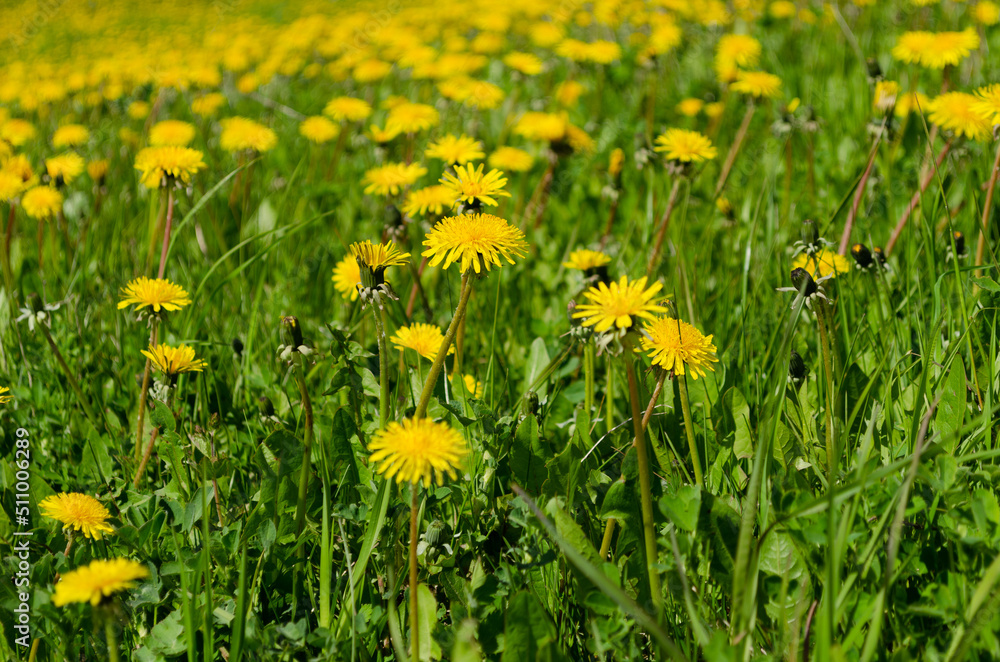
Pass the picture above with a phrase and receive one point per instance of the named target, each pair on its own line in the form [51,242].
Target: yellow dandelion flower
[526,63]
[715,109]
[11,186]
[97,581]
[735,51]
[138,110]
[4,399]
[381,136]
[318,129]
[568,93]
[172,361]
[782,9]
[171,133]
[208,105]
[679,347]
[473,187]
[17,131]
[542,126]
[618,304]
[41,202]
[616,161]
[67,166]
[428,200]
[455,149]
[512,159]
[886,93]
[78,512]
[757,84]
[424,339]
[418,451]
[690,107]
[70,135]
[161,166]
[156,293]
[685,146]
[909,102]
[935,50]
[473,386]
[585,260]
[578,139]
[986,12]
[956,112]
[98,170]
[412,117]
[478,240]
[347,277]
[378,256]
[240,133]
[347,109]
[825,263]
[391,177]
[987,104]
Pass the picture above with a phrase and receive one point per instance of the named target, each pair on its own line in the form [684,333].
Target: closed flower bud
[862,256]
[796,367]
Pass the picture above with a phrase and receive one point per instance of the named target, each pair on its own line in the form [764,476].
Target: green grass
[895,557]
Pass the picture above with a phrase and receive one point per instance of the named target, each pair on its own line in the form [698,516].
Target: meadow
[535,330]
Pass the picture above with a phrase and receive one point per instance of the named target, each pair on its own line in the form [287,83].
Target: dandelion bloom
[473,386]
[431,199]
[347,108]
[478,240]
[526,63]
[68,166]
[733,52]
[20,166]
[455,149]
[586,259]
[886,93]
[911,101]
[956,112]
[4,399]
[42,202]
[550,127]
[690,107]
[318,129]
[378,256]
[616,305]
[679,347]
[757,84]
[381,136]
[78,511]
[412,117]
[935,50]
[138,110]
[825,263]
[347,277]
[98,170]
[424,339]
[94,582]
[208,105]
[172,361]
[157,293]
[240,133]
[11,186]
[160,166]
[987,104]
[685,146]
[568,93]
[171,133]
[986,12]
[391,177]
[70,135]
[512,159]
[418,451]
[472,186]
[17,131]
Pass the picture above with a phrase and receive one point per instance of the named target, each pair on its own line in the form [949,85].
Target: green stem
[144,394]
[414,606]
[642,455]
[735,149]
[661,234]
[111,638]
[87,409]
[588,376]
[689,430]
[166,230]
[609,531]
[449,336]
[383,367]
[609,398]
[824,340]
[300,509]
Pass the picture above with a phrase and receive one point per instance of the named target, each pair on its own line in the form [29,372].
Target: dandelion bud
[862,256]
[796,367]
[879,256]
[291,331]
[237,346]
[803,282]
[874,69]
[959,243]
[810,234]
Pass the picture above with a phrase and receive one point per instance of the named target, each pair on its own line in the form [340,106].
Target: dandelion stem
[588,376]
[145,389]
[449,336]
[41,244]
[300,379]
[661,234]
[87,409]
[609,531]
[987,208]
[689,430]
[414,605]
[378,313]
[915,200]
[141,470]
[845,238]
[166,231]
[741,133]
[642,456]
[111,638]
[824,340]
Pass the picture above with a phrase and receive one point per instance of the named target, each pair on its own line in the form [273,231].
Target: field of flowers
[534,330]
